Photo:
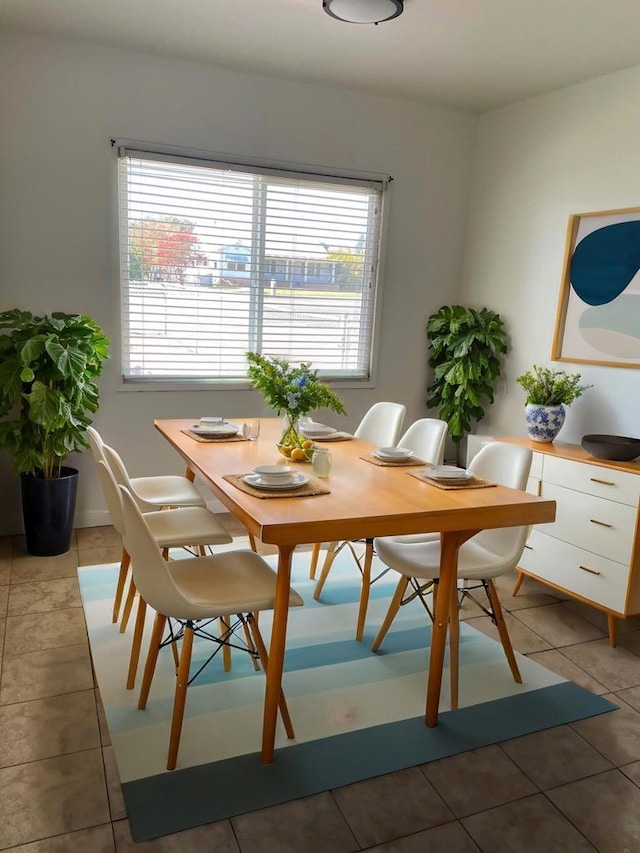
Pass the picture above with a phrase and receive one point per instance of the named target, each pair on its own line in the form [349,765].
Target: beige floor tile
[375,808]
[3,623]
[26,569]
[47,630]
[533,825]
[51,672]
[39,596]
[48,727]
[51,797]
[19,545]
[632,771]
[114,787]
[555,757]
[631,642]
[530,594]
[98,537]
[598,618]
[4,599]
[5,570]
[99,556]
[523,639]
[631,697]
[616,734]
[559,663]
[558,625]
[612,827]
[312,824]
[616,668]
[477,780]
[212,838]
[105,737]
[451,838]
[98,839]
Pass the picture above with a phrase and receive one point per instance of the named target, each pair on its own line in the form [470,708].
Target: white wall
[535,164]
[61,102]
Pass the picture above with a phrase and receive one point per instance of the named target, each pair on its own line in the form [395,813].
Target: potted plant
[548,392]
[465,349]
[47,368]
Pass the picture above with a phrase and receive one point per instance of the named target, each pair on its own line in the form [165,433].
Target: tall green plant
[465,349]
[47,368]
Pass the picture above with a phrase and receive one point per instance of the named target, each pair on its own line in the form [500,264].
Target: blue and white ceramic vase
[544,422]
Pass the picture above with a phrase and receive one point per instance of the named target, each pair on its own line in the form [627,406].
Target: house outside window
[291,268]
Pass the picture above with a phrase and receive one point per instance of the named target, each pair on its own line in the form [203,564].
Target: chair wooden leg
[252,543]
[224,622]
[202,550]
[250,645]
[174,652]
[326,568]
[366,587]
[519,580]
[496,607]
[264,660]
[131,594]
[180,698]
[136,643]
[152,658]
[454,650]
[315,555]
[391,612]
[125,561]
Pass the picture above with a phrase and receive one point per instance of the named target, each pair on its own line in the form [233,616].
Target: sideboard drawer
[599,580]
[620,486]
[594,524]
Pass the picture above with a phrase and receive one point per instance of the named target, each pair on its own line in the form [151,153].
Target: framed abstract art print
[598,319]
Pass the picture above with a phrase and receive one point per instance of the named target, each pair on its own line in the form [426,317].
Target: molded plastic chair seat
[201,588]
[425,438]
[482,558]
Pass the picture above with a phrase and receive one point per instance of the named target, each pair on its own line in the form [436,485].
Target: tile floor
[574,788]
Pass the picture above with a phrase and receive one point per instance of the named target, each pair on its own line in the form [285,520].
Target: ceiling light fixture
[363,11]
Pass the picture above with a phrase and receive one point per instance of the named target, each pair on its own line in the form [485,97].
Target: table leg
[450,542]
[189,474]
[276,653]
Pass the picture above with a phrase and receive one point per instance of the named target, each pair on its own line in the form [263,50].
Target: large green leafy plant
[466,345]
[47,392]
[548,387]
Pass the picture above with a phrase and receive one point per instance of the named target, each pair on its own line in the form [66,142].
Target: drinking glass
[321,462]
[251,429]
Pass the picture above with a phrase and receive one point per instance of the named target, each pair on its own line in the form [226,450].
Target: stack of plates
[215,430]
[393,454]
[448,474]
[257,482]
[314,430]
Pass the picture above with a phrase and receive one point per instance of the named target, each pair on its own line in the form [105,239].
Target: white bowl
[394,452]
[274,474]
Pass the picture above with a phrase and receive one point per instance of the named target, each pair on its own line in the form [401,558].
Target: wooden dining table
[365,501]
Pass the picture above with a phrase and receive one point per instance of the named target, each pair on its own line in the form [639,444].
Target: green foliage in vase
[547,387]
[295,390]
[465,349]
[47,368]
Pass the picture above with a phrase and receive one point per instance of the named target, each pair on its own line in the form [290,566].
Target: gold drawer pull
[601,523]
[602,482]
[591,571]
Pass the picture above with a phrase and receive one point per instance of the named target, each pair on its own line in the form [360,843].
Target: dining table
[362,500]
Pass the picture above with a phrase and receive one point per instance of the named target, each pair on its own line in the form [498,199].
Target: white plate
[400,455]
[217,430]
[447,472]
[317,431]
[258,483]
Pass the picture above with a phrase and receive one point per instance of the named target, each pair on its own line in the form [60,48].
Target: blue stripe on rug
[171,802]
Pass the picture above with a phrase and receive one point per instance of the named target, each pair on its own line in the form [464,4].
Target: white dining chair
[426,439]
[481,559]
[191,593]
[172,528]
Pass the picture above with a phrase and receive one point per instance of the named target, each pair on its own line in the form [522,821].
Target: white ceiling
[475,54]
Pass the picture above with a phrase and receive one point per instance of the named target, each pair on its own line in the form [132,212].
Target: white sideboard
[592,550]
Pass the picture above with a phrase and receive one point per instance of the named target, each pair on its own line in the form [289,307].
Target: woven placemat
[335,436]
[473,483]
[313,487]
[213,438]
[402,463]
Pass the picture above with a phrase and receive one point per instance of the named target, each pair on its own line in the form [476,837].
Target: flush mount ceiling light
[363,11]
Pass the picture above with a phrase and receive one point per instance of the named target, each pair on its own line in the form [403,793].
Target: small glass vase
[292,442]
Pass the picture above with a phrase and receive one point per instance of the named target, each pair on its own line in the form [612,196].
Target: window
[218,259]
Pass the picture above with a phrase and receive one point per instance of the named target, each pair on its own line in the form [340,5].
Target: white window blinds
[218,259]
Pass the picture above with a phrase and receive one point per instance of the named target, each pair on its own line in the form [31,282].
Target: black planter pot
[48,510]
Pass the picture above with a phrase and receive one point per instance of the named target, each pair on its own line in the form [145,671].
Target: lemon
[307,444]
[298,454]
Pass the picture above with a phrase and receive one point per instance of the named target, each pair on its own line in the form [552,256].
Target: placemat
[402,463]
[473,483]
[313,487]
[213,438]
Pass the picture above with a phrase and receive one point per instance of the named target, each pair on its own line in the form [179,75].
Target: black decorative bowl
[617,448]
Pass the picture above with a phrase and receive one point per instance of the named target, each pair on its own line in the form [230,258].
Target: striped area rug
[356,714]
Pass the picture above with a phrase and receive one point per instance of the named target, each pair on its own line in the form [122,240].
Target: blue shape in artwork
[605,261]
